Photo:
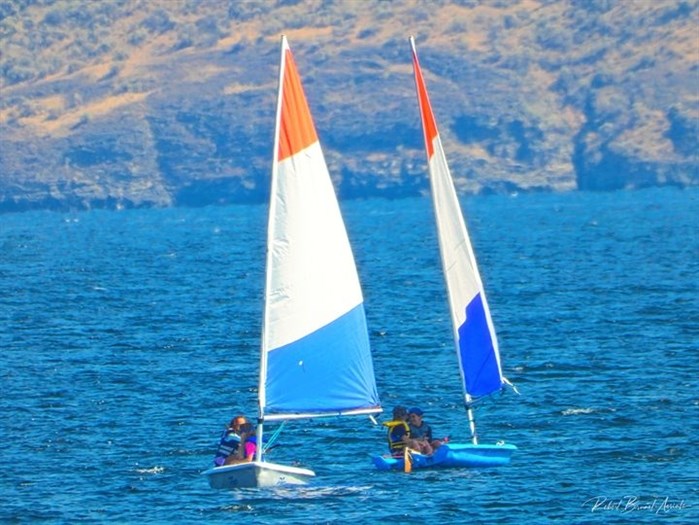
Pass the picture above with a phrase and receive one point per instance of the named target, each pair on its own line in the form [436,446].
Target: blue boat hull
[452,455]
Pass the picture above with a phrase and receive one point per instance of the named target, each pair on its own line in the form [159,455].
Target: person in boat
[421,432]
[247,449]
[398,434]
[230,441]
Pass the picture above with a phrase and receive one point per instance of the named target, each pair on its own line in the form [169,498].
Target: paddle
[407,461]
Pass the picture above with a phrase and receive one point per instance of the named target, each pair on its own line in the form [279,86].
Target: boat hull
[452,455]
[256,474]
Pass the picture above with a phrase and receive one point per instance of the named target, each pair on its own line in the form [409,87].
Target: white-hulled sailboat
[315,357]
[474,336]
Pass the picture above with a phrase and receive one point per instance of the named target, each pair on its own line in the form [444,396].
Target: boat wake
[578,411]
[152,470]
[297,492]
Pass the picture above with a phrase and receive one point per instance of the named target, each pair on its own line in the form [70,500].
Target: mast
[261,391]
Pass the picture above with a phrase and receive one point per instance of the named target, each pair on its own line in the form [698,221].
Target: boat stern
[452,455]
[256,474]
[469,455]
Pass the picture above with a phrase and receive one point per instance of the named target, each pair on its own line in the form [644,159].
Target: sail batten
[288,416]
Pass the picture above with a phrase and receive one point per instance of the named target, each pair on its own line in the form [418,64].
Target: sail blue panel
[327,371]
[478,362]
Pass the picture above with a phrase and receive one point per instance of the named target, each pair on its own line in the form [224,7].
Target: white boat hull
[256,474]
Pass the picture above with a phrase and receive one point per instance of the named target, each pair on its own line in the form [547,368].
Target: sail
[316,358]
[474,335]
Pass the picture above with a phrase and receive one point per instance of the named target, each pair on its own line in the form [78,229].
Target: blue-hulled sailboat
[314,323]
[474,336]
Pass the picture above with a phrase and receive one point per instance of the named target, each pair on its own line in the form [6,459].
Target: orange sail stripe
[296,131]
[429,126]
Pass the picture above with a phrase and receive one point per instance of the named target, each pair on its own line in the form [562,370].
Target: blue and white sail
[474,334]
[316,359]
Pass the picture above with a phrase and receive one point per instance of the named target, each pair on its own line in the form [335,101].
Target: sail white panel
[476,342]
[462,277]
[313,277]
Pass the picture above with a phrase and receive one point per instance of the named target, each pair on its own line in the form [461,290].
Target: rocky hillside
[124,103]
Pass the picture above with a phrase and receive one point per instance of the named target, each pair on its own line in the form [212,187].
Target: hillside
[128,103]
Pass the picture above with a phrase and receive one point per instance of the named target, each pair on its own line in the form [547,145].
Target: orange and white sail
[316,358]
[474,334]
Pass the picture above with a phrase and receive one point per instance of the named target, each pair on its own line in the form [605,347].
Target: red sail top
[296,130]
[429,126]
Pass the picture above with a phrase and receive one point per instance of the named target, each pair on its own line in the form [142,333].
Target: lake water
[129,338]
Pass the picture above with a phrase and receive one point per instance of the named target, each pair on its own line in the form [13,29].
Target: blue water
[129,338]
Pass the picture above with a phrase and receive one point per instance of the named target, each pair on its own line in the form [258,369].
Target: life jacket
[423,431]
[396,443]
[230,441]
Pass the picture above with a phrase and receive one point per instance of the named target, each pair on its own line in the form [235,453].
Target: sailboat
[315,359]
[475,341]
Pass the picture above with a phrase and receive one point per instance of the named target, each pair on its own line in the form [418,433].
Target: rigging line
[512,386]
[274,437]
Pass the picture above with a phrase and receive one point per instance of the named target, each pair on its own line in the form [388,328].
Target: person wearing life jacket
[421,432]
[230,441]
[398,434]
[246,451]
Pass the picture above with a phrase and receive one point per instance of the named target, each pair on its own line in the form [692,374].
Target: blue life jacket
[230,441]
[423,431]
